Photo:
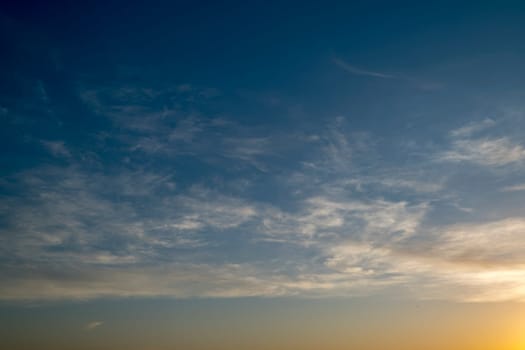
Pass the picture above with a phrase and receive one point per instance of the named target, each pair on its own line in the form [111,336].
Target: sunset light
[262,175]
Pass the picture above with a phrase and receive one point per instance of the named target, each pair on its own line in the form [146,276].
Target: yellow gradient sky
[281,324]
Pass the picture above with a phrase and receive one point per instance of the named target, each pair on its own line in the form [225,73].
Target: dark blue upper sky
[261,149]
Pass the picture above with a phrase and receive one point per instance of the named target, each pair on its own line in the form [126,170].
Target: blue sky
[262,150]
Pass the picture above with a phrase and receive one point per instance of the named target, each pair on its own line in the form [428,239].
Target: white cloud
[361,247]
[205,208]
[488,152]
[514,188]
[67,214]
[346,226]
[472,128]
[494,243]
[373,221]
[354,258]
[468,262]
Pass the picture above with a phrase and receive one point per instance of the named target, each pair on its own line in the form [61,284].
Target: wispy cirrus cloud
[485,151]
[416,82]
[498,243]
[359,71]
[350,223]
[154,125]
[472,128]
[377,222]
[467,146]
[152,187]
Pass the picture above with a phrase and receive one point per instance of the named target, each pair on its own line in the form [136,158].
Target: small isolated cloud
[92,325]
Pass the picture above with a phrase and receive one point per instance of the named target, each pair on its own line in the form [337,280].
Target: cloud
[394,183]
[358,71]
[416,82]
[355,258]
[482,150]
[485,151]
[472,128]
[496,243]
[354,247]
[338,220]
[66,214]
[247,149]
[480,262]
[78,243]
[514,188]
[92,325]
[202,208]
[57,148]
[352,268]
[173,280]
[168,123]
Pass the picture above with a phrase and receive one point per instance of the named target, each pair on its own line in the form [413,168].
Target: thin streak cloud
[421,84]
[359,71]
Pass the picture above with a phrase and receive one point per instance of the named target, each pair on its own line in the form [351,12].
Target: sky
[285,175]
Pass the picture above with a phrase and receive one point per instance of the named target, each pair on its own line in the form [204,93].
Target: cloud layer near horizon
[165,201]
